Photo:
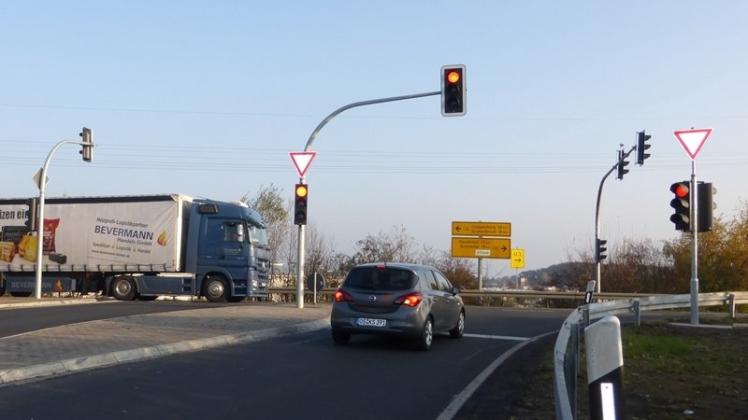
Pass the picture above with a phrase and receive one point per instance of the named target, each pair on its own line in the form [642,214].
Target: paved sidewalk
[73,348]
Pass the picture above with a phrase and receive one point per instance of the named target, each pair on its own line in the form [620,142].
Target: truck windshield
[258,236]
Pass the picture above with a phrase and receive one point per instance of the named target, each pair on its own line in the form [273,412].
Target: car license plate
[371,322]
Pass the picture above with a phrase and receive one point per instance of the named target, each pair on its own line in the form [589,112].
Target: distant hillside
[569,275]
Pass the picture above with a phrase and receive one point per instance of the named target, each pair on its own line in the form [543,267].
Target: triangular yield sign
[693,140]
[302,160]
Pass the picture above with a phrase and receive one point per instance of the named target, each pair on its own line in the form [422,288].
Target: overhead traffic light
[301,193]
[682,205]
[30,222]
[642,146]
[453,91]
[87,146]
[622,164]
[600,250]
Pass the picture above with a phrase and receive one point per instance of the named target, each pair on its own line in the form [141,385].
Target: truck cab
[226,257]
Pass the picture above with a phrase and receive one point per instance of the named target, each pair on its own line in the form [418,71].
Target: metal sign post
[692,141]
[694,247]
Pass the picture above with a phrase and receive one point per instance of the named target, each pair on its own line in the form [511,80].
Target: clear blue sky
[208,98]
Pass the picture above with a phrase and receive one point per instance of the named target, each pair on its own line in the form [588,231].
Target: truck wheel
[123,288]
[214,289]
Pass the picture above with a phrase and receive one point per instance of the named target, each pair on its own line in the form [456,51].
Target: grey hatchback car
[409,300]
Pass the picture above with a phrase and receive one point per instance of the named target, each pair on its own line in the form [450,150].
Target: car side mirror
[455,290]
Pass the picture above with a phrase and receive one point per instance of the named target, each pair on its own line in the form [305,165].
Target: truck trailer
[136,247]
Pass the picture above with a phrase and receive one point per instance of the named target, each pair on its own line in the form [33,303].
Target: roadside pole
[694,246]
[300,263]
[300,248]
[598,261]
[86,143]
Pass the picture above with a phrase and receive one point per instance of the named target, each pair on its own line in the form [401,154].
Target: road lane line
[460,399]
[498,337]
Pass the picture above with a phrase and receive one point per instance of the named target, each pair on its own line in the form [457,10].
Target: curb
[70,366]
[42,303]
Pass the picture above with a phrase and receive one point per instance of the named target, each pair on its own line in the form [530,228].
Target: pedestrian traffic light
[642,146]
[705,205]
[301,193]
[600,250]
[622,164]
[30,222]
[87,146]
[453,91]
[682,205]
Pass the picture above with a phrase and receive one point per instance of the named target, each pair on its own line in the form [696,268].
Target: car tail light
[411,299]
[342,296]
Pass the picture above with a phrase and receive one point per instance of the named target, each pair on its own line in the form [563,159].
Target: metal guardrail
[526,294]
[565,368]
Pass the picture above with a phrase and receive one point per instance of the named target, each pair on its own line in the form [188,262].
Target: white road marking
[497,337]
[459,400]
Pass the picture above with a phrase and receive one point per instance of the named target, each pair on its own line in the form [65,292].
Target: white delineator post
[605,369]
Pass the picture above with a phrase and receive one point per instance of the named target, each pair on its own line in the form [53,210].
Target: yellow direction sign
[518,258]
[482,247]
[482,229]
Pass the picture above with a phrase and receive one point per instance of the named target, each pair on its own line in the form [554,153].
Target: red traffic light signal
[453,90]
[682,205]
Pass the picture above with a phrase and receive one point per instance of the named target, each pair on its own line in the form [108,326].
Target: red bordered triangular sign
[693,140]
[302,160]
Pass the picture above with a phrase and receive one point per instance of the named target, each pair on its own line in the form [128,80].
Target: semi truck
[136,247]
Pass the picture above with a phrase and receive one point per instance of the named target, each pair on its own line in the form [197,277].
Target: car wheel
[123,288]
[459,329]
[427,335]
[214,289]
[340,338]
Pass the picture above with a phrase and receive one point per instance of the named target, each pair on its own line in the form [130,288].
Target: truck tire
[214,289]
[123,288]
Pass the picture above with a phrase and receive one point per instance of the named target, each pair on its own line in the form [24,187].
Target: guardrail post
[637,313]
[731,303]
[572,369]
[605,369]
[586,315]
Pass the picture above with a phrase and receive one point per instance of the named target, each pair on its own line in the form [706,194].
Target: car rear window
[380,278]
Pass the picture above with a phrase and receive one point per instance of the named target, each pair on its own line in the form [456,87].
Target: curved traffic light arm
[358,104]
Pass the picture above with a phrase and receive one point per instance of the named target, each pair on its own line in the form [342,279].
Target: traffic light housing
[622,164]
[87,146]
[453,91]
[30,222]
[600,250]
[705,205]
[682,205]
[301,193]
[642,146]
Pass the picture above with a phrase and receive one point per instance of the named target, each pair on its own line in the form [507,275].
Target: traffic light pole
[40,216]
[598,282]
[300,247]
[694,246]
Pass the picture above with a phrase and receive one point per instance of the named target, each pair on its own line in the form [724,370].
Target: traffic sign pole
[300,264]
[694,247]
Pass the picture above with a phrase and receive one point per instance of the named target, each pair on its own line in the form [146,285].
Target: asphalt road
[20,320]
[303,376]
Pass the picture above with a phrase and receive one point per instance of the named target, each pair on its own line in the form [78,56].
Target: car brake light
[341,296]
[411,299]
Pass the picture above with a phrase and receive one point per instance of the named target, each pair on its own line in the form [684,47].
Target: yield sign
[693,140]
[302,160]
